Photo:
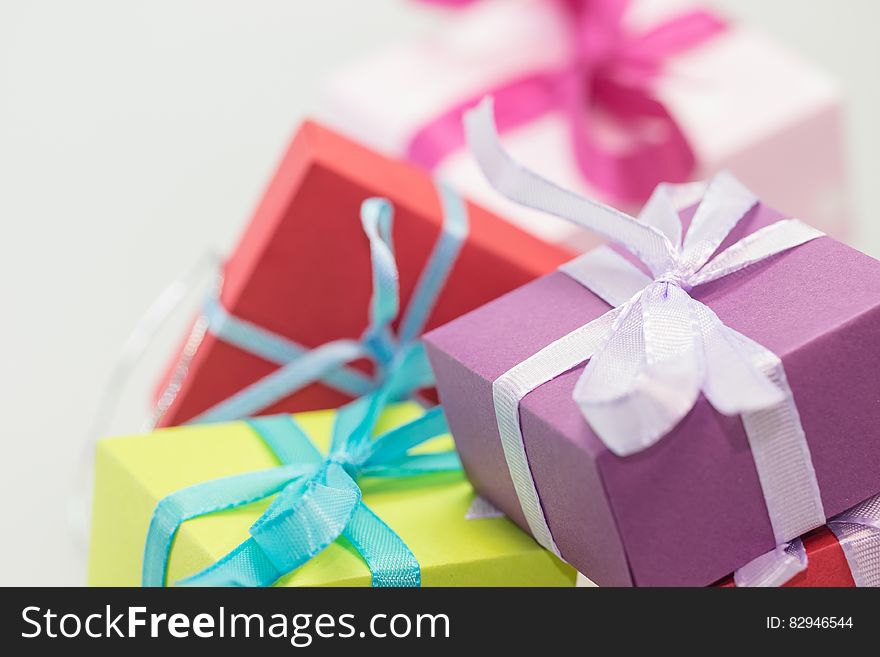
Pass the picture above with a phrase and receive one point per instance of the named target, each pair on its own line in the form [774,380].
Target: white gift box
[744,102]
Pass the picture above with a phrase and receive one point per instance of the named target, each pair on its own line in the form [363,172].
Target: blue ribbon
[329,363]
[317,500]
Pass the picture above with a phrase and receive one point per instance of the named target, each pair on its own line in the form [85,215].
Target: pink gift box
[784,143]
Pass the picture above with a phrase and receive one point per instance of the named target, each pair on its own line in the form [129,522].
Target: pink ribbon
[610,74]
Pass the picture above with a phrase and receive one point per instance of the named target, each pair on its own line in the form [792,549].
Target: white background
[134,136]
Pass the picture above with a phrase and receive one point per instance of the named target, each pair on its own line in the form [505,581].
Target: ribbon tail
[396,443]
[858,532]
[774,568]
[300,523]
[647,376]
[756,247]
[735,383]
[417,464]
[527,188]
[390,561]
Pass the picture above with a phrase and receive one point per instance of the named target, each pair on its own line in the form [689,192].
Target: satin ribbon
[317,499]
[657,350]
[610,72]
[858,532]
[300,366]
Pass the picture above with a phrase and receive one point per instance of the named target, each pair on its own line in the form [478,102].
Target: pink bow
[609,74]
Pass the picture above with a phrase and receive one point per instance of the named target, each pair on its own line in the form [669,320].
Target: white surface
[134,136]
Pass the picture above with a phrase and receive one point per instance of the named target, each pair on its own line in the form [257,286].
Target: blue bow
[317,500]
[329,362]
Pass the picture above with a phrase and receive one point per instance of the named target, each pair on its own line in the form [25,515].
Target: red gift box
[302,266]
[827,565]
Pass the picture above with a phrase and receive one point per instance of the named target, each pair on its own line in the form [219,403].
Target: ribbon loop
[396,357]
[201,499]
[317,497]
[376,215]
[774,568]
[293,535]
[315,503]
[390,561]
[724,204]
[527,188]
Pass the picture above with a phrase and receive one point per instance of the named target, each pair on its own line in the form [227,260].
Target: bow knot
[677,277]
[661,348]
[317,499]
[606,67]
[348,462]
[657,350]
[397,355]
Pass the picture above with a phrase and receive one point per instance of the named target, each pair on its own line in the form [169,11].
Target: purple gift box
[689,509]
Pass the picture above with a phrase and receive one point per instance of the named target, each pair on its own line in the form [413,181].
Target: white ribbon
[858,532]
[774,568]
[658,349]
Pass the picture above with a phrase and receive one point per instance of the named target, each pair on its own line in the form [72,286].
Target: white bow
[662,348]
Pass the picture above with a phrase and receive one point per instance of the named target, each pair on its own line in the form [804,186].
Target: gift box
[300,275]
[690,503]
[718,80]
[427,511]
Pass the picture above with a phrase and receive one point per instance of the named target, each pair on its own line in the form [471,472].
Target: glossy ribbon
[858,532]
[610,71]
[300,366]
[657,349]
[317,499]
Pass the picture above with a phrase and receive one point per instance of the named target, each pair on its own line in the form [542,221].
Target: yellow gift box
[428,512]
